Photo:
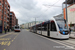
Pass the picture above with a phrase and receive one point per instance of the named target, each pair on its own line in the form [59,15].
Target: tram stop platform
[72,35]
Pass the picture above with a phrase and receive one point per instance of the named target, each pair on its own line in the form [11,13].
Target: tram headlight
[63,32]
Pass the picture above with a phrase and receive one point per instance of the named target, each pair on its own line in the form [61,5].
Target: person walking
[70,30]
[5,29]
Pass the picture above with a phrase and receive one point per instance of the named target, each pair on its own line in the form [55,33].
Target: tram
[54,28]
[17,29]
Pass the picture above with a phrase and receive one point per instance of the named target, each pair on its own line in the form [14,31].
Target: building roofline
[69,2]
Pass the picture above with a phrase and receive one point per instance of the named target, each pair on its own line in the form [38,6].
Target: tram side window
[53,26]
[44,28]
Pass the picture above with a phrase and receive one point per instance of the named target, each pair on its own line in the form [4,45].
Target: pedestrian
[5,29]
[70,30]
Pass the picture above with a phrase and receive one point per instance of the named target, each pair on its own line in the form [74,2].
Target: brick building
[13,20]
[7,18]
[4,13]
[16,21]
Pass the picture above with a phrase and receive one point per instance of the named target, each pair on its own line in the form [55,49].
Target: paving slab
[72,35]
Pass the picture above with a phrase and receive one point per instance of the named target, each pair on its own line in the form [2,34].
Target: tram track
[66,42]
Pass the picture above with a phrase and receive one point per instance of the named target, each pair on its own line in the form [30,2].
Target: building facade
[16,21]
[28,25]
[70,13]
[4,14]
[7,18]
[13,20]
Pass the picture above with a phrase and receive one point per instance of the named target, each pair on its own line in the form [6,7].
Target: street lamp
[66,14]
[35,24]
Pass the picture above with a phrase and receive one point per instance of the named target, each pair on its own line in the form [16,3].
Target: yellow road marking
[5,38]
[5,43]
[12,40]
[5,35]
[4,49]
[14,33]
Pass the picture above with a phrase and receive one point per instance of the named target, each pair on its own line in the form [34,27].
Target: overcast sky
[27,10]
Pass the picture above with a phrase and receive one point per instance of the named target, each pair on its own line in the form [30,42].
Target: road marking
[5,43]
[57,42]
[5,35]
[5,38]
[15,37]
[4,49]
[15,33]
[68,43]
[12,40]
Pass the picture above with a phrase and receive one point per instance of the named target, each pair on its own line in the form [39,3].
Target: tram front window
[61,24]
[63,29]
[16,27]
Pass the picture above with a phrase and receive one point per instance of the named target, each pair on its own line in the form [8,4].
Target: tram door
[48,29]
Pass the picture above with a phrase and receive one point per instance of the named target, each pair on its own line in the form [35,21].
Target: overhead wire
[53,4]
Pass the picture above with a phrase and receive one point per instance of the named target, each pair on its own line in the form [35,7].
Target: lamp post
[66,14]
[41,28]
[35,24]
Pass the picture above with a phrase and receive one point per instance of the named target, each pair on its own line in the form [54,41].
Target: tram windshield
[61,24]
[17,27]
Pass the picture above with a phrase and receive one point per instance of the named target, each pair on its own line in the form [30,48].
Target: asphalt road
[26,40]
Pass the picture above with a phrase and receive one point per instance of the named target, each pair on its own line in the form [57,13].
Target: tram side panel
[44,30]
[53,30]
[38,30]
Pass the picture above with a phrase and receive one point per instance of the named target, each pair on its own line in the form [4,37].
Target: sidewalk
[4,33]
[72,35]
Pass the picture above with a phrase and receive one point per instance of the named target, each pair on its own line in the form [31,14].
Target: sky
[27,10]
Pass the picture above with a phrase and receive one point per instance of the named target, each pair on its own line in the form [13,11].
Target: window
[5,24]
[5,7]
[10,24]
[0,23]
[0,9]
[5,3]
[10,13]
[4,12]
[10,21]
[0,2]
[53,26]
[10,18]
[2,16]
[2,5]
